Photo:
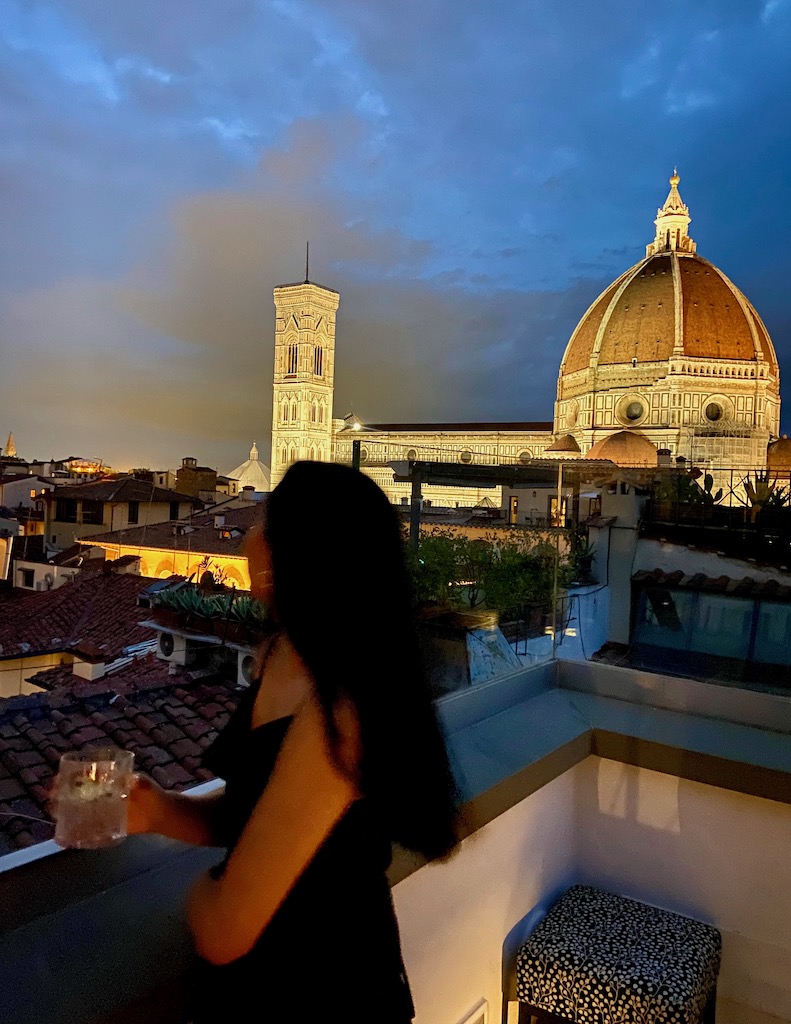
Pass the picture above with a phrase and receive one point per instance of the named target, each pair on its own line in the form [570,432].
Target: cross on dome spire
[672,221]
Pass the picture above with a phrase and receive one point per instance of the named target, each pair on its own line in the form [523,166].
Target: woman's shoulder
[283,682]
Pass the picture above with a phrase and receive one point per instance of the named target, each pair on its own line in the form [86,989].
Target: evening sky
[469,175]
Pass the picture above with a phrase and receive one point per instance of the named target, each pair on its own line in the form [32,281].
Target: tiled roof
[126,489]
[770,590]
[778,455]
[94,608]
[624,448]
[12,478]
[29,548]
[167,721]
[204,537]
[467,428]
[566,443]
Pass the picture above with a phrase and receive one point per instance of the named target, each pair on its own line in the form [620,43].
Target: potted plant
[216,609]
[164,614]
[253,616]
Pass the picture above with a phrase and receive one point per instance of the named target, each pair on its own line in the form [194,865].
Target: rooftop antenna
[307,262]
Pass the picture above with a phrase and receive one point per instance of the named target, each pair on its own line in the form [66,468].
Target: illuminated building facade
[671,356]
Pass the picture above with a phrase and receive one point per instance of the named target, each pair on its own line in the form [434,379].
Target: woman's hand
[147,804]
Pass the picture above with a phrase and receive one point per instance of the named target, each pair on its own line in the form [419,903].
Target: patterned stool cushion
[598,958]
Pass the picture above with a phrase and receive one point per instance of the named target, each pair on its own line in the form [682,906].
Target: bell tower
[304,374]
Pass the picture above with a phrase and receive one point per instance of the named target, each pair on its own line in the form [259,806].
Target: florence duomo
[671,358]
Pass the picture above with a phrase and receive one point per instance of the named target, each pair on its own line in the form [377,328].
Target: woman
[333,755]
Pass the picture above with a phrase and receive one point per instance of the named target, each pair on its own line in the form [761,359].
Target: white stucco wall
[711,853]
[455,917]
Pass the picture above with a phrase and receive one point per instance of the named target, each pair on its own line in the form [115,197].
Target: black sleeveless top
[332,950]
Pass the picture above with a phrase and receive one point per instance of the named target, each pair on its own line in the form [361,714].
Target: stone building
[671,357]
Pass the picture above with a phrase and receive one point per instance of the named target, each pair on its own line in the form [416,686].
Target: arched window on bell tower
[293,353]
[318,361]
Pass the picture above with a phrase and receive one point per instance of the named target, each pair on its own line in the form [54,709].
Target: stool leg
[710,1009]
[519,1013]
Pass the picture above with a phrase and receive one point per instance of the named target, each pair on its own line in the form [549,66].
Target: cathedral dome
[674,348]
[671,304]
[625,448]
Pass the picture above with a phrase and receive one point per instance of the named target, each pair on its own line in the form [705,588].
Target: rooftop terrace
[669,790]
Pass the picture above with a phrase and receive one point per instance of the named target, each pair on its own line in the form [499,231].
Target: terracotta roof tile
[203,535]
[770,590]
[93,609]
[510,427]
[142,707]
[124,489]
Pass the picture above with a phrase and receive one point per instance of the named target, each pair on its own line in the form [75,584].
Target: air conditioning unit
[178,650]
[245,668]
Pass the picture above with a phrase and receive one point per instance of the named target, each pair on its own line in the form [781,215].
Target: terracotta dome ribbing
[671,303]
[624,448]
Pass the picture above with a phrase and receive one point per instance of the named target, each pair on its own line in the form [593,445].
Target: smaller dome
[565,444]
[625,448]
[252,473]
[778,455]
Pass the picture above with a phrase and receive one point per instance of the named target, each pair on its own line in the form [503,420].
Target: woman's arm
[306,797]
[192,819]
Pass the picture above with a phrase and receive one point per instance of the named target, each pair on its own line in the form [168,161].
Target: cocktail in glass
[91,794]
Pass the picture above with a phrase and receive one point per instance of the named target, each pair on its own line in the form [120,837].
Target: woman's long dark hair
[343,596]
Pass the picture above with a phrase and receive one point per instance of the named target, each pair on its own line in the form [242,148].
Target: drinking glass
[91,797]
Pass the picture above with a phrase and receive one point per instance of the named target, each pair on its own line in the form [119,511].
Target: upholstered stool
[598,958]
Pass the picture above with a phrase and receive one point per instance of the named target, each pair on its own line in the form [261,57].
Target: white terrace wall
[713,854]
[454,917]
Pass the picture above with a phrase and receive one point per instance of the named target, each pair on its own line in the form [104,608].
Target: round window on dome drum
[466,456]
[713,412]
[634,410]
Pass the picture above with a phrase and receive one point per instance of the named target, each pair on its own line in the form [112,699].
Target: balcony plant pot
[214,627]
[168,618]
[231,630]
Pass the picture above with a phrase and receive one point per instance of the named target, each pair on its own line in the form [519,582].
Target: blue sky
[470,176]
